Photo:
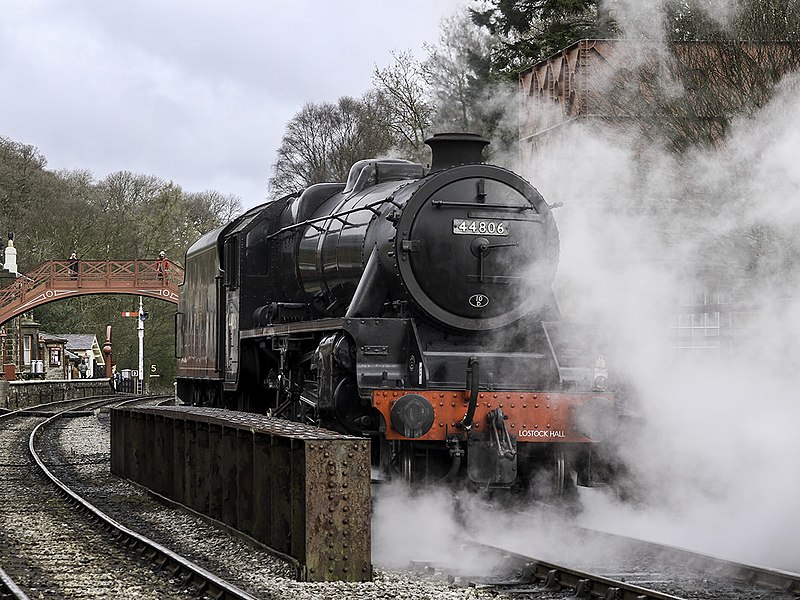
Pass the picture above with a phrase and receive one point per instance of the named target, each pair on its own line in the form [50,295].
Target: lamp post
[3,336]
[140,332]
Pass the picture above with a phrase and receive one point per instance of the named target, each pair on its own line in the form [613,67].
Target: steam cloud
[716,455]
[716,451]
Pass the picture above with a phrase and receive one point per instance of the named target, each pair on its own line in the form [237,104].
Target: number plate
[479,227]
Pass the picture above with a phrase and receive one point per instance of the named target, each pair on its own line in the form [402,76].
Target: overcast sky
[193,91]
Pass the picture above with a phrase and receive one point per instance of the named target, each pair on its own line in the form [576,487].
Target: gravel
[85,464]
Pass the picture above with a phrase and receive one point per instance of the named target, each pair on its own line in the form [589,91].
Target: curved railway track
[55,544]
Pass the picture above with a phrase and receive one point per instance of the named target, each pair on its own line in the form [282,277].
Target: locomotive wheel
[560,472]
[406,461]
[420,464]
[551,479]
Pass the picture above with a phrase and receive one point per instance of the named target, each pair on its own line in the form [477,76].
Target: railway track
[55,544]
[620,568]
[781,584]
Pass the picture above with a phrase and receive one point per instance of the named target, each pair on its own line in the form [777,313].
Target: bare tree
[454,72]
[322,141]
[467,97]
[407,109]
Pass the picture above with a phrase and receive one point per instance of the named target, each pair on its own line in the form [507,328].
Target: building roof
[78,341]
[49,337]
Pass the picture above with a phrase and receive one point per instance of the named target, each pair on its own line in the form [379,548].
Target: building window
[55,357]
[705,320]
[27,345]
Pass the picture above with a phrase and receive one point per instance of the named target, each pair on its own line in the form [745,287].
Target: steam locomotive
[409,305]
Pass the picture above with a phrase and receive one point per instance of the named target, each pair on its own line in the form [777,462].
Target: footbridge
[60,279]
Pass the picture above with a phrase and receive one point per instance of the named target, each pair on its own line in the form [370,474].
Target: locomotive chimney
[453,149]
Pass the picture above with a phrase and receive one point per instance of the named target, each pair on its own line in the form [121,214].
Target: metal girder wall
[302,491]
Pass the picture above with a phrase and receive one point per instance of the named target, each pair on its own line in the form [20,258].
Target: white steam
[645,18]
[716,457]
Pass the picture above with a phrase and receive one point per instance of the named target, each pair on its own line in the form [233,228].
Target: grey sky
[193,91]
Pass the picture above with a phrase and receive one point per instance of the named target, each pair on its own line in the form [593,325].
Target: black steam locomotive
[409,305]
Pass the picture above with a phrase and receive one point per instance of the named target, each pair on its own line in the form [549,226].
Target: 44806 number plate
[479,227]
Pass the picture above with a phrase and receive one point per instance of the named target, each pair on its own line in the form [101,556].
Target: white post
[140,331]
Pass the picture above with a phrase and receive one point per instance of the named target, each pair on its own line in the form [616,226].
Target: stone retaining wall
[22,394]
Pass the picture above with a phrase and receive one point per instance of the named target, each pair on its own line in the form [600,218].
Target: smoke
[644,19]
[714,444]
[428,528]
[714,457]
[425,527]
